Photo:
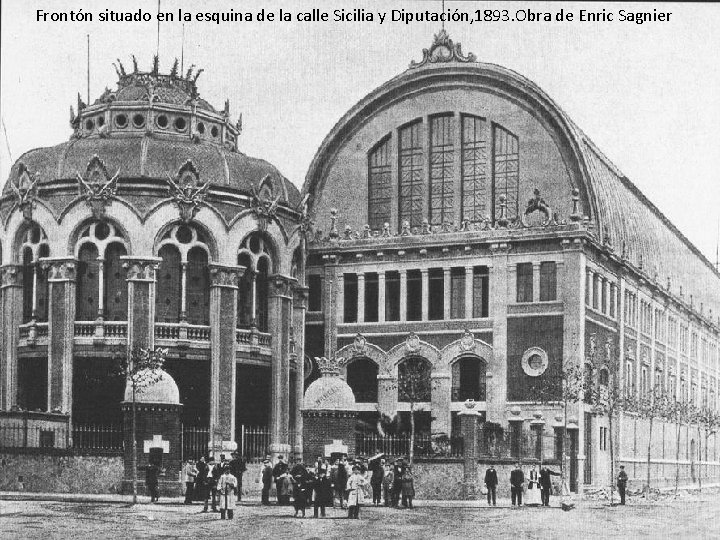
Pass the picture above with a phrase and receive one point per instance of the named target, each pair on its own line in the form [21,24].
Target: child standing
[227,488]
[408,488]
[322,492]
[356,495]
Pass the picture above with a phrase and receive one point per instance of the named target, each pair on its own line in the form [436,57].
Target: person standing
[201,480]
[356,495]
[279,474]
[190,472]
[151,481]
[408,488]
[266,478]
[210,490]
[300,480]
[341,479]
[387,485]
[532,496]
[322,492]
[622,483]
[377,466]
[546,484]
[398,472]
[237,468]
[491,482]
[227,485]
[517,480]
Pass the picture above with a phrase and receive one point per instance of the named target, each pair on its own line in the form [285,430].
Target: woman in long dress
[532,496]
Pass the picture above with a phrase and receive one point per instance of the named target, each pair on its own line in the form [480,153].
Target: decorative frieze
[10,276]
[60,269]
[141,268]
[282,285]
[225,276]
[187,191]
[97,187]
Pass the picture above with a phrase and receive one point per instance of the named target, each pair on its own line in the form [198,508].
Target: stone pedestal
[468,425]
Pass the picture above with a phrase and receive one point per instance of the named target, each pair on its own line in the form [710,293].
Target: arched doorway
[362,378]
[469,378]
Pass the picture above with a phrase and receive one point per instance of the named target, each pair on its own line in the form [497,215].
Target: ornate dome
[148,128]
[164,391]
[329,392]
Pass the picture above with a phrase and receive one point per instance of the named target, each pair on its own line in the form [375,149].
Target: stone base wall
[61,473]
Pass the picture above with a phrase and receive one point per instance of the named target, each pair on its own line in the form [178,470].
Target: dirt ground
[694,517]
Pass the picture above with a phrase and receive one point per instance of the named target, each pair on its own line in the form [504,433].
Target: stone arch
[467,345]
[361,349]
[412,346]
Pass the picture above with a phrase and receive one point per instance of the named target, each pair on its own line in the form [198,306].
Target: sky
[648,95]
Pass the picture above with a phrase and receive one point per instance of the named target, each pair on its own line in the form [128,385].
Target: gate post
[468,425]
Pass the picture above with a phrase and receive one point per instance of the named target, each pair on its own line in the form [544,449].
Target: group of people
[218,484]
[343,483]
[539,485]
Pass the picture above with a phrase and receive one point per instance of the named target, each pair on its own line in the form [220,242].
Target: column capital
[60,268]
[11,275]
[225,276]
[282,285]
[300,296]
[140,268]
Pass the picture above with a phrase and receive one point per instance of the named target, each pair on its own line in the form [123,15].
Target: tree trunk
[134,447]
[649,453]
[412,432]
[677,457]
[699,461]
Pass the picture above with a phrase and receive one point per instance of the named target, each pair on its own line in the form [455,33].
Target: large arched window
[183,285]
[414,380]
[33,246]
[451,149]
[101,284]
[362,378]
[256,255]
[468,379]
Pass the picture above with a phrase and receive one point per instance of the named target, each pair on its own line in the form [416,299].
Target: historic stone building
[467,228]
[150,227]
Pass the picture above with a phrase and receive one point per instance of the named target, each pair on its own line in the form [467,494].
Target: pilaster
[499,296]
[360,297]
[446,293]
[440,395]
[425,301]
[300,297]
[223,322]
[61,323]
[11,313]
[381,296]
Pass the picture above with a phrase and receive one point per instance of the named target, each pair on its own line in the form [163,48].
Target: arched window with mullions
[183,283]
[379,185]
[256,254]
[414,380]
[33,246]
[101,282]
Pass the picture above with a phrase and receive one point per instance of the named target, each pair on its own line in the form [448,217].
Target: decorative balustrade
[264,340]
[182,332]
[84,328]
[115,329]
[252,338]
[32,331]
[198,333]
[167,331]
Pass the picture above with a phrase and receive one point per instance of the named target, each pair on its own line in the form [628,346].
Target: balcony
[169,334]
[99,331]
[252,341]
[33,334]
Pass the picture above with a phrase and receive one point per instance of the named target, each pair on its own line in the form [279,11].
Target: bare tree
[141,367]
[678,413]
[413,387]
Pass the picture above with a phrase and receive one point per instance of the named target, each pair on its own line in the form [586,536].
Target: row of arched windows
[183,277]
[436,158]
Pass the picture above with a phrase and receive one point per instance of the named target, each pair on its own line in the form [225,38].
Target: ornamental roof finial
[443,50]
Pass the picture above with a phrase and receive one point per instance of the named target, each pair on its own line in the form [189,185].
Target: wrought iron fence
[23,435]
[195,441]
[253,442]
[367,444]
[92,437]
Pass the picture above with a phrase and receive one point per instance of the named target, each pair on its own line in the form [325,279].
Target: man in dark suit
[491,482]
[237,468]
[622,483]
[517,480]
[546,484]
[278,471]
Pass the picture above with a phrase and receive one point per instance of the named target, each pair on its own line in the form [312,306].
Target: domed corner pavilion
[158,430]
[329,414]
[149,226]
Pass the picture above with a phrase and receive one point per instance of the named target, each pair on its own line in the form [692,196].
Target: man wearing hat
[266,478]
[237,468]
[322,491]
[622,483]
[211,484]
[279,474]
[398,473]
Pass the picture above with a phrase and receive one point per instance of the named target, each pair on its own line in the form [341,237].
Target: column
[536,281]
[588,286]
[11,313]
[330,312]
[468,426]
[381,296]
[425,293]
[280,315]
[101,288]
[300,297]
[223,322]
[361,297]
[469,277]
[183,289]
[403,295]
[339,297]
[446,293]
[141,278]
[61,330]
[440,397]
[499,297]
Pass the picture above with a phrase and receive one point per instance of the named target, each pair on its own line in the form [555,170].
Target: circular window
[184,235]
[121,121]
[534,361]
[101,121]
[138,120]
[89,124]
[102,231]
[214,131]
[180,124]
[162,121]
[201,128]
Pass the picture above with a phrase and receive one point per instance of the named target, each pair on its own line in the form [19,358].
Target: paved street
[689,517]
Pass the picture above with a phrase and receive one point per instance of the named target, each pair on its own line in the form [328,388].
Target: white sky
[648,95]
